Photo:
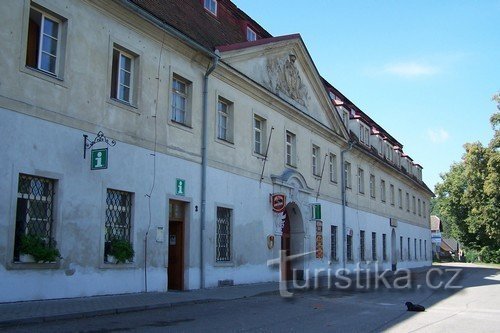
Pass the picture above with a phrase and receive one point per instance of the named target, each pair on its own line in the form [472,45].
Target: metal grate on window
[118,216]
[374,246]
[333,241]
[34,212]
[384,247]
[223,244]
[362,245]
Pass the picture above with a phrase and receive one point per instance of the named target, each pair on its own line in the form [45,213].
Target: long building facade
[186,130]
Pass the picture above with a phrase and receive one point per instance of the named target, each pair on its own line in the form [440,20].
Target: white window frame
[382,191]
[185,113]
[224,132]
[210,6]
[290,149]
[372,186]
[333,168]
[400,198]
[251,35]
[392,194]
[315,160]
[361,181]
[116,82]
[259,144]
[228,261]
[347,175]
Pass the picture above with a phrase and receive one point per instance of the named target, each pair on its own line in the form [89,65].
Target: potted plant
[121,250]
[40,249]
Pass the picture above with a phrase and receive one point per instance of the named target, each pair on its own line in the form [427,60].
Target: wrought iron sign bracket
[87,144]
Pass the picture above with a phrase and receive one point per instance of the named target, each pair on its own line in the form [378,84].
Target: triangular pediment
[283,66]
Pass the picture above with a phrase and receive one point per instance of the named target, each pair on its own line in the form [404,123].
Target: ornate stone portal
[284,78]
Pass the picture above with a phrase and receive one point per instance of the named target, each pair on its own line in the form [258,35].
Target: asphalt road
[474,307]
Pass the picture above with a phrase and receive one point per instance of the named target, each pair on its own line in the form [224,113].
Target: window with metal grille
[34,212]
[349,247]
[409,249]
[223,235]
[118,217]
[415,249]
[384,247]
[333,242]
[401,248]
[374,246]
[420,249]
[362,245]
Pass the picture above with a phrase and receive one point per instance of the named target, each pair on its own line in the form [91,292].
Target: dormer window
[345,117]
[211,6]
[251,35]
[364,134]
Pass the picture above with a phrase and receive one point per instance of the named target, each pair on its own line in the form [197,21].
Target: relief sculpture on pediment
[284,77]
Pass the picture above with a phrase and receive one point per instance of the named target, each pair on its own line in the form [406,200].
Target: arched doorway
[292,243]
[394,251]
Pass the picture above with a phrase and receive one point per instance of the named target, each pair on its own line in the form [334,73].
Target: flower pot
[110,259]
[28,258]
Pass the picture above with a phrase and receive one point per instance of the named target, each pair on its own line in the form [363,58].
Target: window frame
[229,116]
[230,248]
[188,100]
[348,175]
[361,181]
[113,75]
[61,17]
[400,198]
[54,217]
[374,246]
[392,195]
[382,191]
[290,149]
[316,160]
[384,247]
[372,186]
[332,167]
[262,133]
[333,243]
[362,248]
[251,35]
[208,4]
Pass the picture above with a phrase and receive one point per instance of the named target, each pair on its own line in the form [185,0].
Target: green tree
[468,197]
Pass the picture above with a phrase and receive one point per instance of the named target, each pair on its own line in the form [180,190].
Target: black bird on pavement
[414,307]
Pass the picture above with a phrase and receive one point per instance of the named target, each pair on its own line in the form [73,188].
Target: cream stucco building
[210,116]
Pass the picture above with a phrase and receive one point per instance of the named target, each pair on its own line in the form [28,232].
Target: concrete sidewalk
[17,313]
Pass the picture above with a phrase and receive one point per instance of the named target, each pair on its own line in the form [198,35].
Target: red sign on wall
[278,201]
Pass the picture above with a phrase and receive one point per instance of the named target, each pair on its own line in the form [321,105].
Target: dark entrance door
[286,268]
[176,246]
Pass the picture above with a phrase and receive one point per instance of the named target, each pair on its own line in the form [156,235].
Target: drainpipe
[344,200]
[215,59]
[204,164]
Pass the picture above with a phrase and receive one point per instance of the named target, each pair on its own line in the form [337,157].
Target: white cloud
[439,135]
[409,69]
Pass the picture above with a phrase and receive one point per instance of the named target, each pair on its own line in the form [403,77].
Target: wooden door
[176,245]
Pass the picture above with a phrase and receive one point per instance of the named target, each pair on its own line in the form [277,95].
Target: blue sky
[424,70]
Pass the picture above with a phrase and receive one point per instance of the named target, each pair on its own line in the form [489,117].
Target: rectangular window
[407,202]
[367,136]
[391,194]
[349,247]
[400,198]
[382,190]
[425,249]
[413,205]
[419,208]
[122,76]
[118,218]
[420,248]
[345,118]
[384,247]
[44,42]
[223,235]
[290,148]
[180,100]
[211,6]
[361,180]
[316,160]
[347,175]
[225,120]
[409,251]
[333,168]
[415,248]
[372,186]
[374,246]
[401,248]
[362,245]
[259,135]
[333,243]
[251,35]
[34,210]
[424,209]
